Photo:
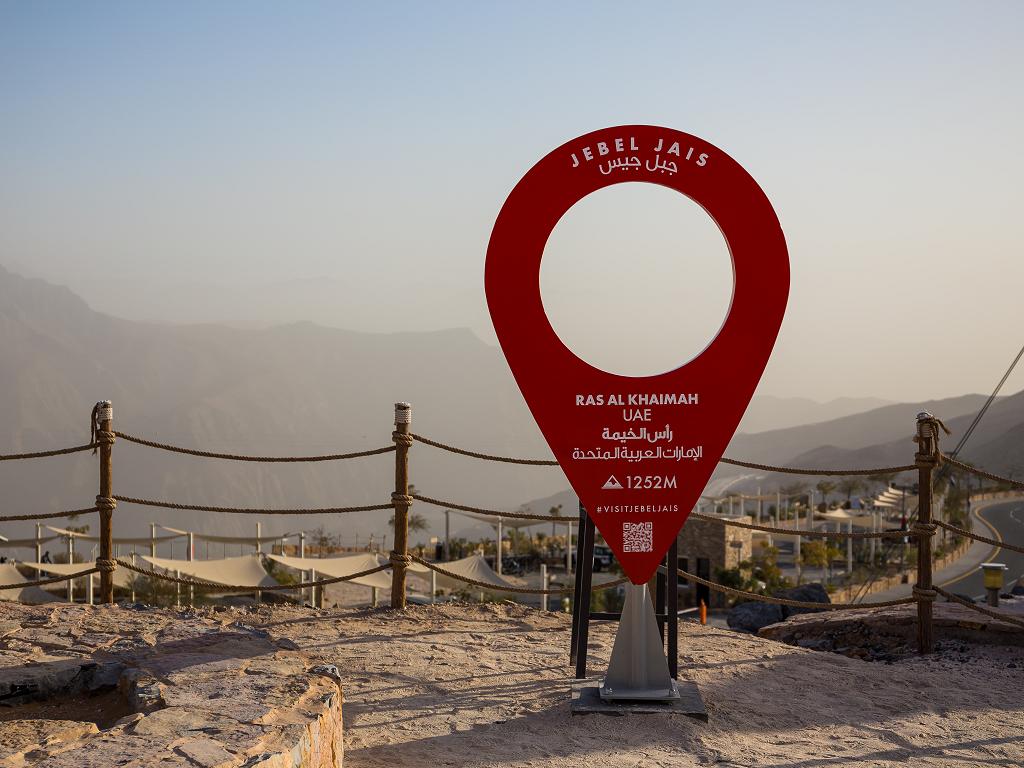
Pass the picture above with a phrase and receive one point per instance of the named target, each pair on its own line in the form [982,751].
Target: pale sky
[367,148]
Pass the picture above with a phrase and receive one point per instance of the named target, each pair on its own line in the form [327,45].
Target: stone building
[706,547]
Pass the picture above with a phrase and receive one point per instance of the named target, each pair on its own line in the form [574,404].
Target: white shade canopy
[515,522]
[333,567]
[122,576]
[251,540]
[28,595]
[25,543]
[473,567]
[229,571]
[95,539]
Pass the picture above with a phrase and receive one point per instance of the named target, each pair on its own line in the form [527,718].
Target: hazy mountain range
[308,389]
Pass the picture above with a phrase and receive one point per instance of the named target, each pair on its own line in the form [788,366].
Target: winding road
[1006,523]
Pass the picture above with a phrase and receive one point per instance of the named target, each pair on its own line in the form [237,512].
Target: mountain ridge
[300,389]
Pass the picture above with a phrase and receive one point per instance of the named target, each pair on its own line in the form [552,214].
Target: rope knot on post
[401,499]
[106,565]
[400,560]
[920,529]
[103,437]
[927,438]
[106,503]
[926,595]
[402,438]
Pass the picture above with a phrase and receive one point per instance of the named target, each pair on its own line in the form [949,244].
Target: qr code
[637,537]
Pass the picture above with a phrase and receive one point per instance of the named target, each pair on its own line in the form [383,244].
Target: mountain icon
[612,485]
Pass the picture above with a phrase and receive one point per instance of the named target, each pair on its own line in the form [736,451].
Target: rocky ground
[488,685]
[890,634]
[86,687]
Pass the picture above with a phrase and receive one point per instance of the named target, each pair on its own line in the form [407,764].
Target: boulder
[752,616]
[806,593]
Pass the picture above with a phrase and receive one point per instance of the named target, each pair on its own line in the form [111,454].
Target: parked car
[603,558]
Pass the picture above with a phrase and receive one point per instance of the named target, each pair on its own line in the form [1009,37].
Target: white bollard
[447,535]
[190,556]
[71,559]
[849,549]
[544,585]
[497,549]
[433,586]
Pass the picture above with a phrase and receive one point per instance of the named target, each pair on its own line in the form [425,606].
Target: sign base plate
[586,700]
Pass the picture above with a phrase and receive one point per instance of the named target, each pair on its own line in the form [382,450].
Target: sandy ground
[488,685]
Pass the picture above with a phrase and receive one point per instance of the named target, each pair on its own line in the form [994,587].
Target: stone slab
[586,700]
[200,692]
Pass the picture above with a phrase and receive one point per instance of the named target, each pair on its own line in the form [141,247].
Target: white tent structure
[257,539]
[138,540]
[473,567]
[28,595]
[333,567]
[25,543]
[229,571]
[498,523]
[122,577]
[885,504]
[846,516]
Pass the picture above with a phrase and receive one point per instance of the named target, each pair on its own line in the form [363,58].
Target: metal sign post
[638,670]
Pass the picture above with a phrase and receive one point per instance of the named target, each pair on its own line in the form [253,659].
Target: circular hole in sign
[636,279]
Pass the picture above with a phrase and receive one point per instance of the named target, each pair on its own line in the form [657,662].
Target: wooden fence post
[400,498]
[103,423]
[925,458]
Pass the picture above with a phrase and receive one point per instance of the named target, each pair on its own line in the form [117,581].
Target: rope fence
[786,601]
[978,537]
[492,512]
[724,460]
[484,456]
[103,435]
[251,510]
[44,454]
[517,590]
[52,580]
[800,532]
[238,457]
[822,472]
[194,582]
[982,473]
[980,609]
[48,515]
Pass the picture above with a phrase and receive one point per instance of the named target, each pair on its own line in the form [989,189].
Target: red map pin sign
[638,451]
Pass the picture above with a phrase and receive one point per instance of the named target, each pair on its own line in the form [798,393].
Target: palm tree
[555,511]
[884,478]
[849,486]
[791,491]
[825,487]
[417,522]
